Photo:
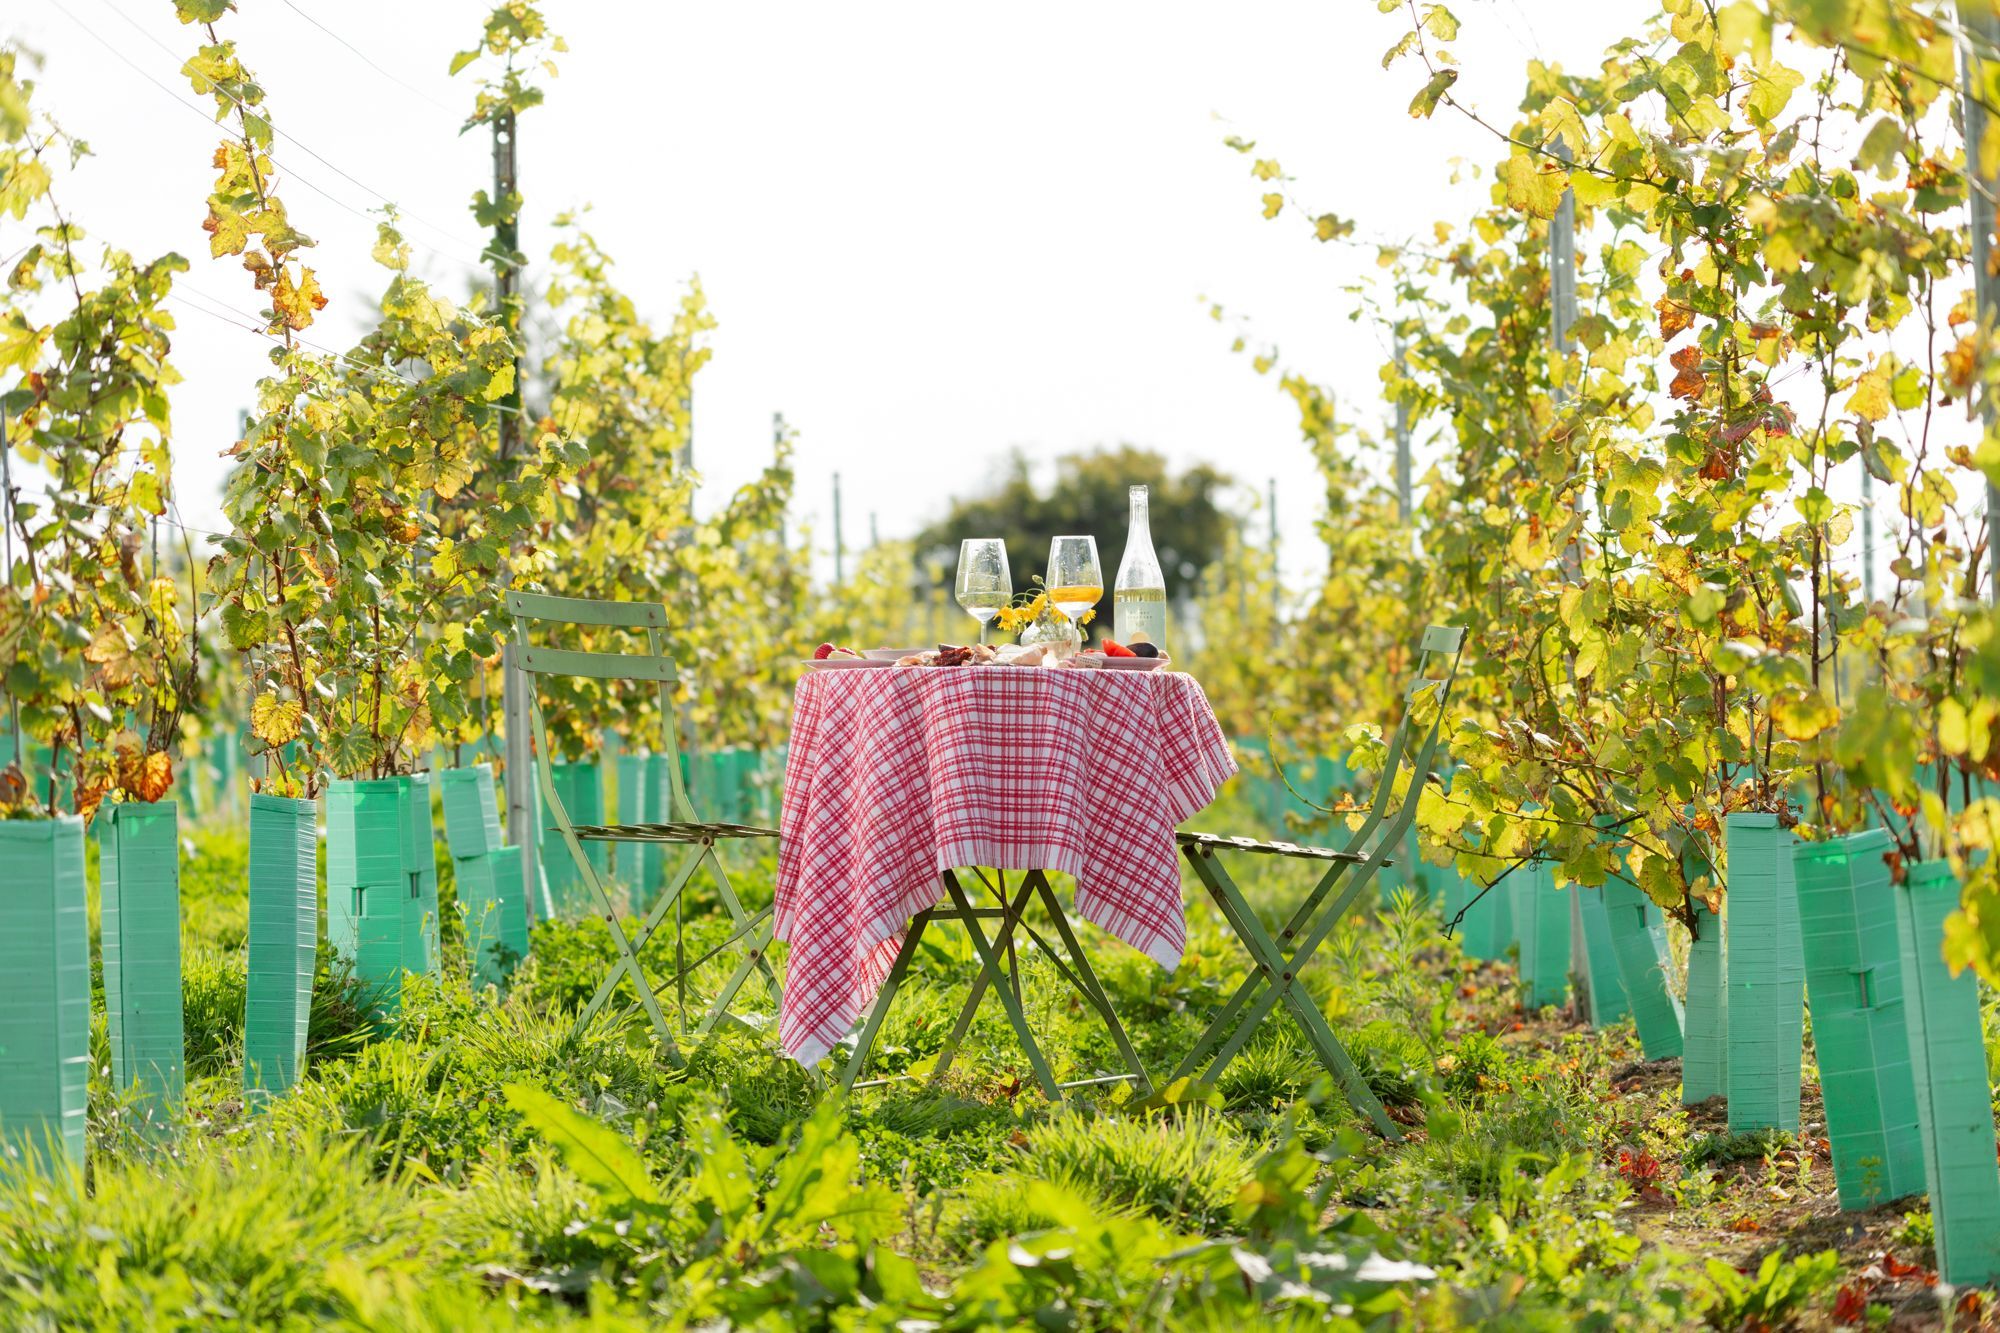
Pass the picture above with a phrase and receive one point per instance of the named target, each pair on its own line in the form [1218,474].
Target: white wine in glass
[1075,580]
[984,584]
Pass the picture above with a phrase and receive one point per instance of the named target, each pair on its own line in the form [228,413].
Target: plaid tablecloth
[896,774]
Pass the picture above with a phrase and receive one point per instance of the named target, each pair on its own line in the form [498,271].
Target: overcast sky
[930,233]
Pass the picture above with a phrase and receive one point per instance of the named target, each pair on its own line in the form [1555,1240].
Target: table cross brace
[1002,977]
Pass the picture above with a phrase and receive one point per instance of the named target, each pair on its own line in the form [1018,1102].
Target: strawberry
[1112,648]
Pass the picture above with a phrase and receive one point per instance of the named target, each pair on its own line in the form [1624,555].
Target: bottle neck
[1139,521]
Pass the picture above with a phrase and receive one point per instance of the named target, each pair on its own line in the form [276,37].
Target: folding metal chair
[1278,960]
[751,932]
[1009,912]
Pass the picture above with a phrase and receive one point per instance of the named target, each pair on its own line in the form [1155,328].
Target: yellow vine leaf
[1870,399]
[275,721]
[111,651]
[1533,186]
[1803,714]
[295,302]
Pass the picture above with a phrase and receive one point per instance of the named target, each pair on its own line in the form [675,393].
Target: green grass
[412,1180]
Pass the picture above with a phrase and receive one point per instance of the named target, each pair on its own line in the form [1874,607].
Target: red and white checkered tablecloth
[897,774]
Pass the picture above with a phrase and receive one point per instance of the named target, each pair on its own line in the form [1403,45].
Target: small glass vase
[1058,631]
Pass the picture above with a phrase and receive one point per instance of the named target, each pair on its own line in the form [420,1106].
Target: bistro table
[898,775]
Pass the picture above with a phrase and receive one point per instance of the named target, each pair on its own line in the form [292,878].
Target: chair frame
[752,930]
[1277,961]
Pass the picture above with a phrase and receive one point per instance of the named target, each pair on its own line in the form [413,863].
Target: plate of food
[832,657]
[1113,656]
[950,655]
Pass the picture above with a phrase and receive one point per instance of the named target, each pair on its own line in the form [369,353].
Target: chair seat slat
[1258,847]
[676,832]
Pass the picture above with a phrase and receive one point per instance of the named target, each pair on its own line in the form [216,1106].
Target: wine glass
[984,585]
[1076,583]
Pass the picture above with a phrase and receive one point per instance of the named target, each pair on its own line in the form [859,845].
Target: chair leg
[1093,989]
[892,983]
[1009,918]
[759,938]
[630,954]
[990,965]
[1235,910]
[1227,1019]
[1233,1029]
[1276,976]
[627,961]
[1338,1062]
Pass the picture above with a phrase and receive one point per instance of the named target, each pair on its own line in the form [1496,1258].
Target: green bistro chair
[1277,961]
[751,932]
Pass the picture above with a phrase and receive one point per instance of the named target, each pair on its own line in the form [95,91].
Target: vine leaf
[1535,187]
[1870,399]
[1433,91]
[275,721]
[1688,381]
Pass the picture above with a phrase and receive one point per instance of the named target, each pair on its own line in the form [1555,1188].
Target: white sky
[929,232]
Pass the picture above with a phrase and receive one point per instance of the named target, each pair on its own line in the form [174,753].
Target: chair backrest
[653,665]
[1415,740]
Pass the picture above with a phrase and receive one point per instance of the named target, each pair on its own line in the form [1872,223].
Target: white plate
[843,663]
[890,654]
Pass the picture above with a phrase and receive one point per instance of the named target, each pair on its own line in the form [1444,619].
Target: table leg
[990,964]
[892,983]
[1086,979]
[1010,914]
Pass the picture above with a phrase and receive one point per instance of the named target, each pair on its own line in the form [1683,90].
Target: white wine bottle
[1139,601]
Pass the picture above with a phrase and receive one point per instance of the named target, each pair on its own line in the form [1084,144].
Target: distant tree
[1089,496]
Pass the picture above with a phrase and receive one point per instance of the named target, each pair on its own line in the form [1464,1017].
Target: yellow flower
[1016,618]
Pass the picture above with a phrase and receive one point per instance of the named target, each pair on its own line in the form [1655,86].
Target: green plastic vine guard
[1639,944]
[658,797]
[581,788]
[283,942]
[543,902]
[44,989]
[1457,893]
[1948,1064]
[420,909]
[1767,977]
[1847,920]
[1607,990]
[587,791]
[771,784]
[1705,1044]
[471,811]
[632,808]
[496,921]
[559,872]
[139,892]
[367,889]
[1541,918]
[1487,932]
